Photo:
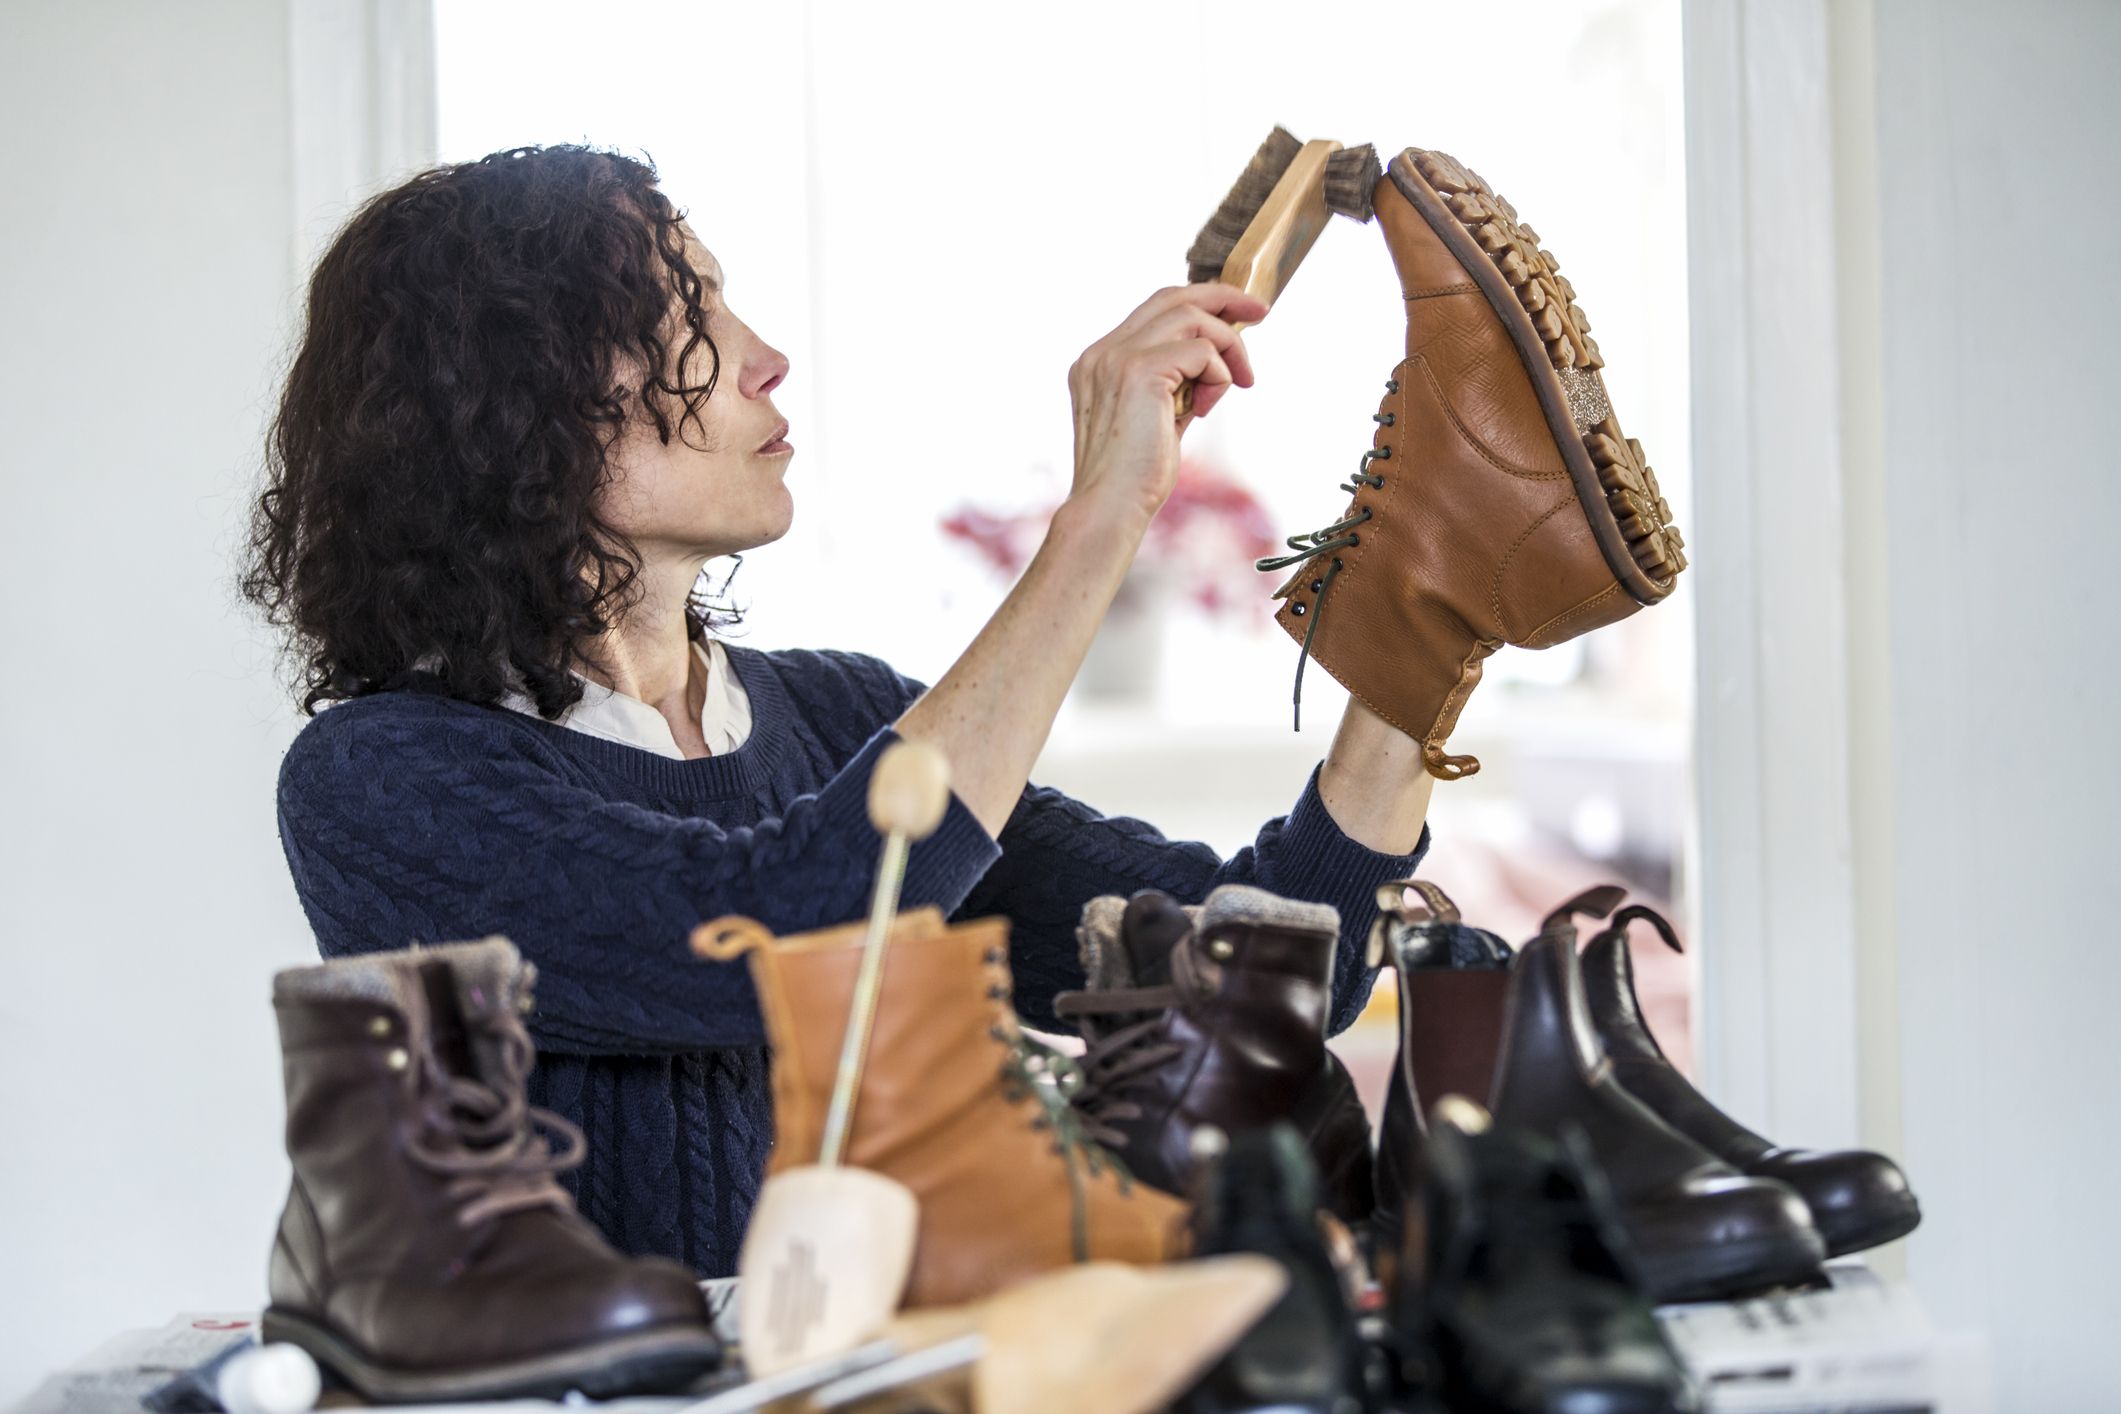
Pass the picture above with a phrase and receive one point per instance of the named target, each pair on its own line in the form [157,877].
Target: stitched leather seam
[1455,699]
[1466,287]
[1509,557]
[1566,614]
[1507,468]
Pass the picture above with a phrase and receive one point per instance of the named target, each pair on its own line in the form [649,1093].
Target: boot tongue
[1152,927]
[445,1020]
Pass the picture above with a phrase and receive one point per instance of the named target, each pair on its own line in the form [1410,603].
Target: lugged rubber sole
[1621,500]
[641,1362]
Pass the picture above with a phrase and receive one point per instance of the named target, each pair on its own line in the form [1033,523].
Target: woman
[520,421]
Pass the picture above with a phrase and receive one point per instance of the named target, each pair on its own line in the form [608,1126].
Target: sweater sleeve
[1058,853]
[398,836]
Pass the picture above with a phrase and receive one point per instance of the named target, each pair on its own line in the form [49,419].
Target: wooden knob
[910,789]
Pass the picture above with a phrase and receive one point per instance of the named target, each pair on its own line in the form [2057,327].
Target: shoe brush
[828,1249]
[1274,214]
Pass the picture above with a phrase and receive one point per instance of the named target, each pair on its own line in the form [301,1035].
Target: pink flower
[1202,542]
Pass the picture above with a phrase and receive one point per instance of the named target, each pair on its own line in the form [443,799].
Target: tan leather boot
[1500,502]
[954,1103]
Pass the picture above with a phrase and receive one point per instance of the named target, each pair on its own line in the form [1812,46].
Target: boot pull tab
[1656,920]
[730,937]
[1392,898]
[1392,903]
[1592,903]
[1446,767]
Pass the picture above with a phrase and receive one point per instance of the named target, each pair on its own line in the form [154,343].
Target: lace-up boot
[1500,502]
[426,1252]
[1858,1199]
[1215,1013]
[1516,1034]
[955,1103]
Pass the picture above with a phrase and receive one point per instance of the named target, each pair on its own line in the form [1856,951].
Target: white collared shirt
[725,717]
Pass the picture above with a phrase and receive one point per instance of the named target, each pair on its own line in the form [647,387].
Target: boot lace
[498,1148]
[1116,1058]
[1341,534]
[1033,1071]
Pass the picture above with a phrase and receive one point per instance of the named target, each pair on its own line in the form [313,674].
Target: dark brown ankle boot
[1215,1014]
[426,1252]
[1858,1199]
[1521,1040]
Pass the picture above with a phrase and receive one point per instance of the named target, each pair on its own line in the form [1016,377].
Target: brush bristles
[1351,176]
[1212,247]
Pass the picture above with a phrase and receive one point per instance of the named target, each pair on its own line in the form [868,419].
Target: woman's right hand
[1124,386]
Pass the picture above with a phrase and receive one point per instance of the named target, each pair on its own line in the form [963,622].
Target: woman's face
[709,490]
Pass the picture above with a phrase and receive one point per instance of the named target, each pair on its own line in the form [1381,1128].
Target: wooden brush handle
[1278,238]
[909,792]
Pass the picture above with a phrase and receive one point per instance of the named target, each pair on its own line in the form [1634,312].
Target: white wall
[1902,225]
[143,900]
[1999,195]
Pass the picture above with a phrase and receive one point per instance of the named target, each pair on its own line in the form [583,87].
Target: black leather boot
[1306,1354]
[426,1253]
[1215,1014]
[1858,1199]
[1516,1291]
[1523,1039]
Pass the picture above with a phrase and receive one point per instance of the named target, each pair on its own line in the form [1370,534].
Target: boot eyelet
[1222,949]
[1297,610]
[1384,454]
[1391,385]
[379,1026]
[398,1058]
[1317,585]
[1386,418]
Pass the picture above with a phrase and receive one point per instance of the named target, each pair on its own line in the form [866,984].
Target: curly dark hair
[433,464]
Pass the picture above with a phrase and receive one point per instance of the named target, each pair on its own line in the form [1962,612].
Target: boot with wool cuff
[1215,1014]
[426,1252]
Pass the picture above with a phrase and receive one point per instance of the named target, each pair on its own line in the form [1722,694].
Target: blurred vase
[1125,661]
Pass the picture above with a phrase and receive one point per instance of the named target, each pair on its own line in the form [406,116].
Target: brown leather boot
[426,1252]
[1858,1198]
[1515,1033]
[1215,1013]
[1500,502]
[955,1103]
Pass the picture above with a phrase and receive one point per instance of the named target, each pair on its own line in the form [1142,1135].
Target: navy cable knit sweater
[410,816]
